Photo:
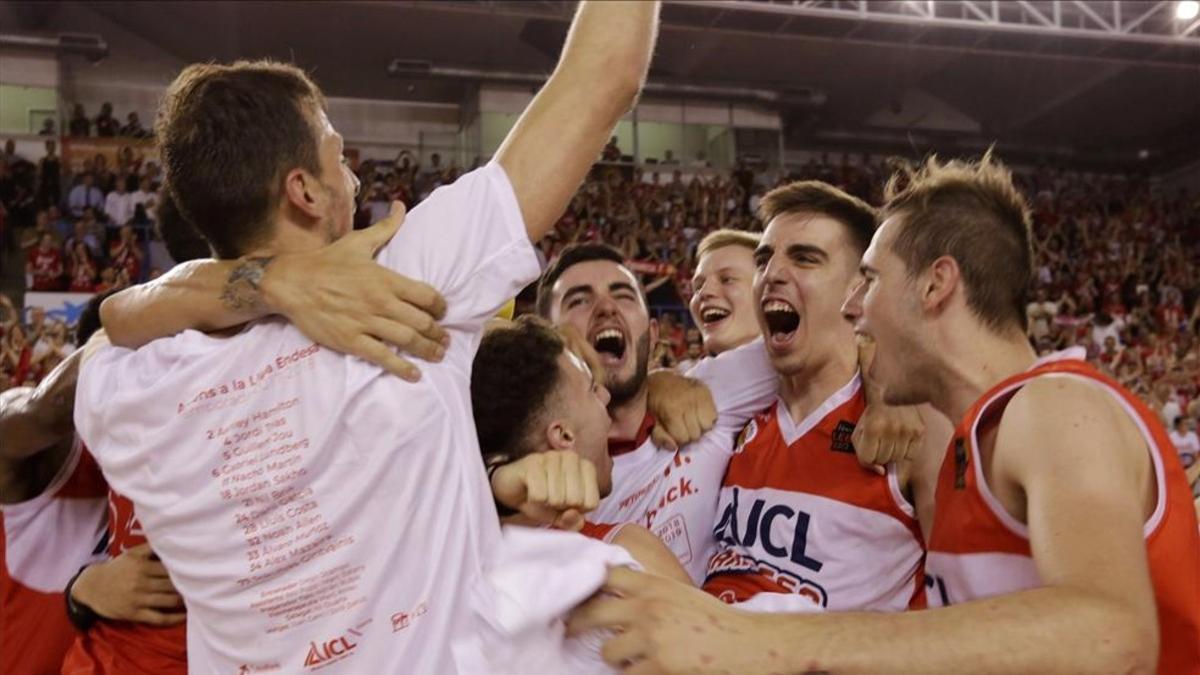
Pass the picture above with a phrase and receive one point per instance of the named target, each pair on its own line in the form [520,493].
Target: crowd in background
[1117,263]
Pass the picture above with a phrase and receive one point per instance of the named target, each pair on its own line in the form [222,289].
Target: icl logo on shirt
[757,528]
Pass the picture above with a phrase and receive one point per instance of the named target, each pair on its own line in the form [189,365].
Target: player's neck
[290,237]
[627,417]
[972,363]
[805,391]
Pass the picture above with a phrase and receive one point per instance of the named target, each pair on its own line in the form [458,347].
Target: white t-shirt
[118,206]
[674,495]
[1186,443]
[147,199]
[535,579]
[1101,332]
[312,510]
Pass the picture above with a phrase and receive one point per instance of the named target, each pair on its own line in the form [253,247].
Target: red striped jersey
[978,550]
[45,541]
[799,516]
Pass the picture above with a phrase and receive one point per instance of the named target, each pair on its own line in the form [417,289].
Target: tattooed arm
[335,295]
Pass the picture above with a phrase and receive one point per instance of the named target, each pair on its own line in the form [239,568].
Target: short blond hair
[972,212]
[719,239]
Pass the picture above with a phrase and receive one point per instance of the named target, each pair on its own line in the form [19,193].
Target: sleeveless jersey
[45,541]
[978,550]
[127,647]
[799,516]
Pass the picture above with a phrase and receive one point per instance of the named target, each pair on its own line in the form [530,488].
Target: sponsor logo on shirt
[842,434]
[247,668]
[323,653]
[748,433]
[960,464]
[755,530]
[402,620]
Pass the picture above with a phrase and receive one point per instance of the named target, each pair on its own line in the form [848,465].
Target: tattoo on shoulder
[241,292]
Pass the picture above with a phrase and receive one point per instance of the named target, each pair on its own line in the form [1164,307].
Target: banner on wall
[76,151]
[65,307]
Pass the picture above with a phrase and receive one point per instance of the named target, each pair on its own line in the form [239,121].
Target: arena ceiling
[1089,103]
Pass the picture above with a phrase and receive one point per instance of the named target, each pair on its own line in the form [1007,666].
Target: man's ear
[653,333]
[939,283]
[559,436]
[304,193]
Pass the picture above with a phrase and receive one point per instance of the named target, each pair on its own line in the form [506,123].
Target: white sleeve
[743,383]
[467,240]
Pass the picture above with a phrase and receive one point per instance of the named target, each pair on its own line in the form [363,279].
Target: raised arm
[335,295]
[33,419]
[558,138]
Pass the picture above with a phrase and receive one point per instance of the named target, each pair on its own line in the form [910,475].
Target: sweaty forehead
[596,274]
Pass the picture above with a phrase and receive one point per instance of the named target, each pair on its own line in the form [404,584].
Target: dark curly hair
[514,373]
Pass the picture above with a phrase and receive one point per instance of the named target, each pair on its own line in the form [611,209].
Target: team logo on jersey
[960,464]
[748,433]
[842,435]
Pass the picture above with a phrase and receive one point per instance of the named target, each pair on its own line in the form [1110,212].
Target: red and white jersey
[127,647]
[674,494]
[800,517]
[978,550]
[46,540]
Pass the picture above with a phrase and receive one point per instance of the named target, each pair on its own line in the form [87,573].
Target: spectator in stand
[15,353]
[1040,314]
[133,127]
[145,197]
[49,189]
[50,348]
[106,125]
[126,254]
[45,265]
[80,125]
[42,226]
[108,280]
[47,128]
[10,153]
[1186,442]
[81,267]
[118,205]
[668,155]
[84,195]
[611,152]
[105,178]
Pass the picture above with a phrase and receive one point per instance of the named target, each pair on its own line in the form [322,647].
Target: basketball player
[673,494]
[799,518]
[722,303]
[276,462]
[1063,534]
[52,516]
[537,402]
[722,306]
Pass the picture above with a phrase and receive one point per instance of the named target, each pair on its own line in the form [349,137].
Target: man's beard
[622,392]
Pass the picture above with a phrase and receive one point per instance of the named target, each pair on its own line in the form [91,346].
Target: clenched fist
[555,488]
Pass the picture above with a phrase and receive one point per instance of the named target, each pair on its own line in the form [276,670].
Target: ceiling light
[1187,9]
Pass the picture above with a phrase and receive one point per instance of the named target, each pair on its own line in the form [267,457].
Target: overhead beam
[973,17]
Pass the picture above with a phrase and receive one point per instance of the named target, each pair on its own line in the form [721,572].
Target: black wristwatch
[493,463]
[80,615]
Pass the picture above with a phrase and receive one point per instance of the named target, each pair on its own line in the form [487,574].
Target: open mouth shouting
[610,344]
[712,316]
[782,322]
